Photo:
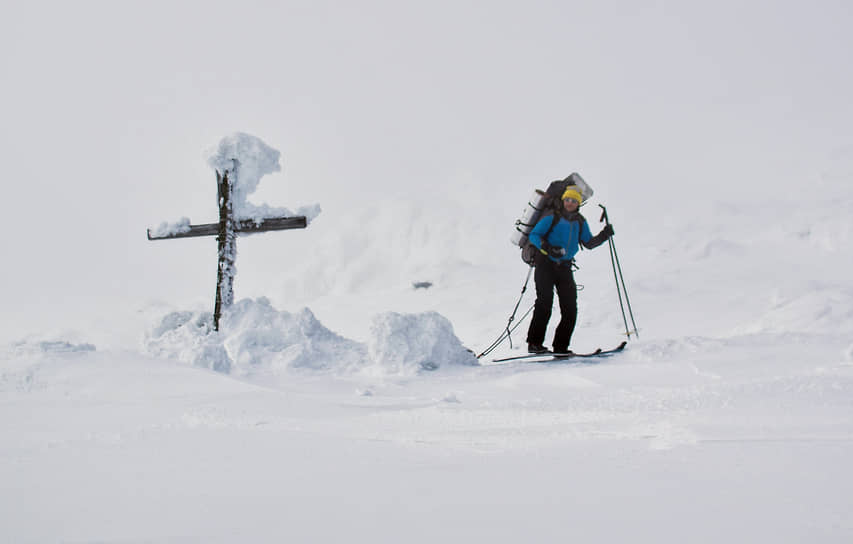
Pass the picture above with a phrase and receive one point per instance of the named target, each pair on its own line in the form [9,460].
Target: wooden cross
[226,232]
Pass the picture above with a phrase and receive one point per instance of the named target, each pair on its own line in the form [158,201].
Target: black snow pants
[549,275]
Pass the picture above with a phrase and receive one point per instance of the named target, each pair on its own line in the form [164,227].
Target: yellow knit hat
[572,193]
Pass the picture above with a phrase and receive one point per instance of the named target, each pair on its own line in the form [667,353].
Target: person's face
[571,205]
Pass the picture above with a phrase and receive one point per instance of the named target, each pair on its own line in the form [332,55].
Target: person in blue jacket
[557,246]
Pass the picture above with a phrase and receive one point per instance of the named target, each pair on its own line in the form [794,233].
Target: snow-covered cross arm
[243,226]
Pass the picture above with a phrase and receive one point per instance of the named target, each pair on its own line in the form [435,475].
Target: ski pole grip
[604,215]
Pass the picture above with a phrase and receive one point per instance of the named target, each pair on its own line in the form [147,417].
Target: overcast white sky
[108,108]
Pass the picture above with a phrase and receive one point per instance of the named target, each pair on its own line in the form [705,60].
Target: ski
[557,357]
[551,356]
[520,357]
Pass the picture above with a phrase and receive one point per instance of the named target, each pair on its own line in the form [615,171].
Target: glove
[599,238]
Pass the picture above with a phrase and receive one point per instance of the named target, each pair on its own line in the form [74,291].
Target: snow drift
[404,344]
[256,340]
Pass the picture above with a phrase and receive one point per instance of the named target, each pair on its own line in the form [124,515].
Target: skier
[554,269]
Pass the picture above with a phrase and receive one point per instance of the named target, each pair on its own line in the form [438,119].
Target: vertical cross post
[227,245]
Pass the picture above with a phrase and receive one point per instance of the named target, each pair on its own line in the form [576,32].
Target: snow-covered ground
[341,403]
[731,415]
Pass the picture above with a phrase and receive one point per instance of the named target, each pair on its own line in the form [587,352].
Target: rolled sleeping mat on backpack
[528,219]
[556,189]
[584,189]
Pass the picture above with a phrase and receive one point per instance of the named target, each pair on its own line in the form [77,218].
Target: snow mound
[258,335]
[253,338]
[257,341]
[407,343]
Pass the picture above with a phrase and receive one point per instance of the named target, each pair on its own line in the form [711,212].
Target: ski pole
[514,310]
[606,219]
[618,290]
[508,331]
[625,289]
[614,262]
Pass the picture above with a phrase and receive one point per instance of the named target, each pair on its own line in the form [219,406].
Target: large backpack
[542,204]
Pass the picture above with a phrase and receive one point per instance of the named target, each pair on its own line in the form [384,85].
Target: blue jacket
[566,234]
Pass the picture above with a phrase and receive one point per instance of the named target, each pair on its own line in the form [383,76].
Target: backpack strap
[555,218]
[578,218]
